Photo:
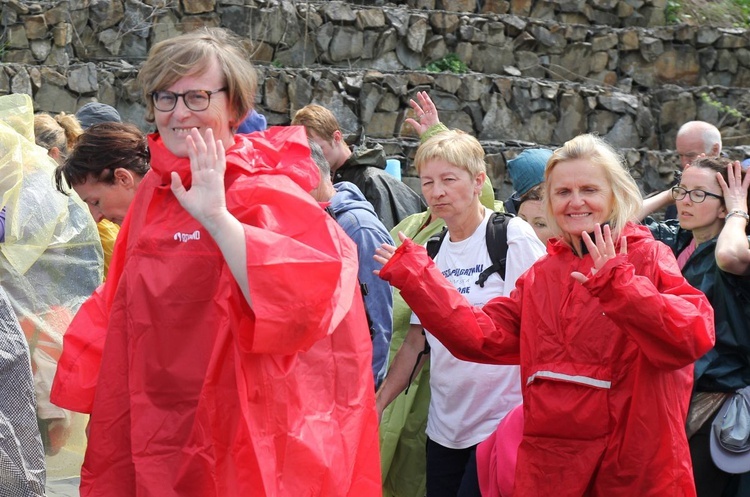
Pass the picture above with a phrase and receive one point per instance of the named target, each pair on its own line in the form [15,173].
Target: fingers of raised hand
[623,245]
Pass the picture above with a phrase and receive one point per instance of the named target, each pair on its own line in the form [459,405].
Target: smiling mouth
[184,131]
[579,215]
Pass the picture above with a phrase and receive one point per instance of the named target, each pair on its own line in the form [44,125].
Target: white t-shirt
[468,399]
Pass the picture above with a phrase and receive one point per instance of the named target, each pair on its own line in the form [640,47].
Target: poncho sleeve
[488,334]
[677,327]
[302,268]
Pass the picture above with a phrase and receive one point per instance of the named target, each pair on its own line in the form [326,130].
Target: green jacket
[402,429]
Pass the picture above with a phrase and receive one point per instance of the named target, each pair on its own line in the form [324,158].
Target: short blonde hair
[190,54]
[455,147]
[317,119]
[626,197]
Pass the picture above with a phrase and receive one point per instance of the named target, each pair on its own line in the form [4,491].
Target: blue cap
[95,113]
[253,122]
[527,170]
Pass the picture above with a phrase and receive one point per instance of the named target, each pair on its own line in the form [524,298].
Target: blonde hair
[455,147]
[190,54]
[61,131]
[317,119]
[626,197]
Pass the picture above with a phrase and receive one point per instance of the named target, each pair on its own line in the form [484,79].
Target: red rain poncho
[198,394]
[606,367]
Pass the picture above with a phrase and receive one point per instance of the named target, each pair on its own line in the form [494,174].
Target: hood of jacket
[363,157]
[278,150]
[348,197]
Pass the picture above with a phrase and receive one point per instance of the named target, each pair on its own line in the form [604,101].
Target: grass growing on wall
[449,63]
[722,13]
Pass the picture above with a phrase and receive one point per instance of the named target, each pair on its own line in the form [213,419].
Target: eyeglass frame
[177,96]
[689,193]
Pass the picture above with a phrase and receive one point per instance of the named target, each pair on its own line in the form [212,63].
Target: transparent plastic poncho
[50,262]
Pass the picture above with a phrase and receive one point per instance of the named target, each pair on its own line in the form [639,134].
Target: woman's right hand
[384,253]
[205,200]
[426,113]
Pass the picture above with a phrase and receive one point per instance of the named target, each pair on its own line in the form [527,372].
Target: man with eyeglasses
[694,138]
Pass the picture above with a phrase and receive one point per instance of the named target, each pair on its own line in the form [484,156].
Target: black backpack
[497,246]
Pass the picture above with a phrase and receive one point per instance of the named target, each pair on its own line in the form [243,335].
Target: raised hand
[426,113]
[602,249]
[735,192]
[205,200]
[384,253]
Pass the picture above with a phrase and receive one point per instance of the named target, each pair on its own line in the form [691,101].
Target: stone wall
[334,34]
[532,81]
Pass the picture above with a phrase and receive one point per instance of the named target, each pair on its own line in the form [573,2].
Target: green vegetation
[449,63]
[728,110]
[721,13]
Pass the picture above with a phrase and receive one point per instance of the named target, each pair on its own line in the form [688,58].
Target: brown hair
[101,149]
[60,131]
[719,165]
[190,54]
[317,119]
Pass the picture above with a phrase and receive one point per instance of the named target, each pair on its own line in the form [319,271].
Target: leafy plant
[726,109]
[672,12]
[449,63]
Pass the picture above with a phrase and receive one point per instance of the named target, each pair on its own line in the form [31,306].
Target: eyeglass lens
[194,100]
[697,196]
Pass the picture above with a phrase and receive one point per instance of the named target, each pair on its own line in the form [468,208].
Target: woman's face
[532,211]
[580,196]
[109,201]
[174,126]
[707,215]
[450,191]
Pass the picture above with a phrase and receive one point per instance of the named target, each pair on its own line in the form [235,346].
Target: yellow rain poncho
[50,262]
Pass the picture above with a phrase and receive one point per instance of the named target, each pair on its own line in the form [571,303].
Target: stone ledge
[372,104]
[388,38]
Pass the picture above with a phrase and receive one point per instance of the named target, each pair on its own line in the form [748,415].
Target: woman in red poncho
[237,355]
[605,329]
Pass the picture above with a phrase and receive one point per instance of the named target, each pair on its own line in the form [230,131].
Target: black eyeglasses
[697,196]
[195,100]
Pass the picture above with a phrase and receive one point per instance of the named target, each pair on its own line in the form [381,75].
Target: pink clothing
[496,456]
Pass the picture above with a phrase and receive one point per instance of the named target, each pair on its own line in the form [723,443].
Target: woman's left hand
[205,200]
[735,193]
[601,251]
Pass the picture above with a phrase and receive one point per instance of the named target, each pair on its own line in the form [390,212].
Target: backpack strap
[433,246]
[497,245]
[435,241]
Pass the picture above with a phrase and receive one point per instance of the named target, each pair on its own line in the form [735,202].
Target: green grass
[721,13]
[449,63]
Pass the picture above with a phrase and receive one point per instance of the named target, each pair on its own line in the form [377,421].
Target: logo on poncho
[186,237]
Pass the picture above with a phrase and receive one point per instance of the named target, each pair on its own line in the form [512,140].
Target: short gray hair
[320,160]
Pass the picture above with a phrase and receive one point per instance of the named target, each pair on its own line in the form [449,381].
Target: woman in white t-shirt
[467,399]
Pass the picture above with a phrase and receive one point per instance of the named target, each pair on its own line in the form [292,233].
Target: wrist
[738,213]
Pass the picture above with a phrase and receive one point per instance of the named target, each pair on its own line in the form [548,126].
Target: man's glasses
[697,196]
[195,100]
